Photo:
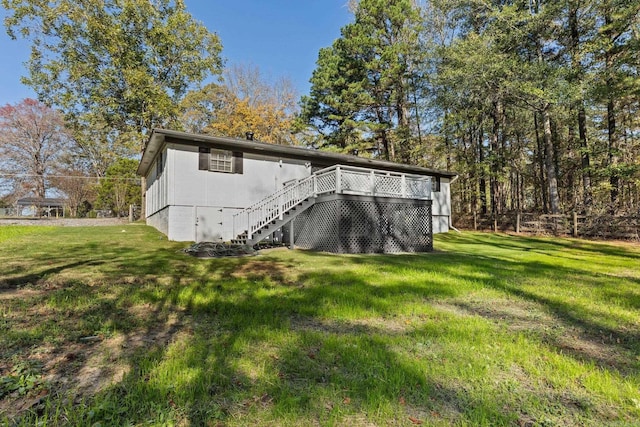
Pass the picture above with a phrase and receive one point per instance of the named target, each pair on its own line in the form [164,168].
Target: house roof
[35,201]
[322,158]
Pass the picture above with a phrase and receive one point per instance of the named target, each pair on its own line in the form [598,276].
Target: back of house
[206,188]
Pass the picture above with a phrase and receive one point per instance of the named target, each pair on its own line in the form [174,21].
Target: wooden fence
[592,226]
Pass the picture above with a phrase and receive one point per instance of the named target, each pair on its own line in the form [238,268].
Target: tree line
[533,102]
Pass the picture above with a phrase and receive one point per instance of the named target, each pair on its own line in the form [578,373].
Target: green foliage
[534,92]
[115,68]
[21,380]
[244,101]
[120,187]
[360,90]
[533,103]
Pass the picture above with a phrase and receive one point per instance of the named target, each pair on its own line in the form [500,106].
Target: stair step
[266,227]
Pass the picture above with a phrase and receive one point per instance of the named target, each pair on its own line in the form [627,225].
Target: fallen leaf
[415,421]
[402,401]
[346,400]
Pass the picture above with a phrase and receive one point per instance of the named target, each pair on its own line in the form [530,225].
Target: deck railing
[335,179]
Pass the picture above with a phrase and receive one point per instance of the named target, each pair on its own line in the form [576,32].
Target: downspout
[455,178]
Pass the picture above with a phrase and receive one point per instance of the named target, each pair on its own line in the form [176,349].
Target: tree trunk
[552,181]
[495,155]
[587,197]
[584,154]
[483,182]
[612,146]
[540,158]
[402,114]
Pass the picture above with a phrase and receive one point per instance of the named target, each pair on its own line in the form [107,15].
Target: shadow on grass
[323,360]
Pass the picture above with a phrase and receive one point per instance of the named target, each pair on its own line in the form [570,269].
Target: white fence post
[372,179]
[315,185]
[404,186]
[338,180]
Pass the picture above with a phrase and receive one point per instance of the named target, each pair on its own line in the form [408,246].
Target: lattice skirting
[342,223]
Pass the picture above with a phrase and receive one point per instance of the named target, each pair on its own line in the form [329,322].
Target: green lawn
[115,326]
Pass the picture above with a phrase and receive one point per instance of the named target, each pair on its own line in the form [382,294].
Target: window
[220,161]
[216,160]
[160,164]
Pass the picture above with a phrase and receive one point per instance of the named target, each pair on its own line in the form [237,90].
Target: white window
[218,160]
[221,161]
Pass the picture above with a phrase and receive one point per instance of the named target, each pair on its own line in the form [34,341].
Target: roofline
[160,136]
[36,201]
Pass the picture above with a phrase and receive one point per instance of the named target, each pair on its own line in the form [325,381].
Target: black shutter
[237,162]
[203,160]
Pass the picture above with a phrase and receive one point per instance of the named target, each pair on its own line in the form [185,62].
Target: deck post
[338,181]
[404,186]
[291,235]
[372,183]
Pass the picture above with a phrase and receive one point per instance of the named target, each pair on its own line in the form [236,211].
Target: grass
[114,326]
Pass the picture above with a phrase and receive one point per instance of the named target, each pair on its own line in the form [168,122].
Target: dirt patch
[7,294]
[81,369]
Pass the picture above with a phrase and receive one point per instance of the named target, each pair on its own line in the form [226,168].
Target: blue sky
[281,37]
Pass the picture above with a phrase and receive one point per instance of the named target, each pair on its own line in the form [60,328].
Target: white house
[206,188]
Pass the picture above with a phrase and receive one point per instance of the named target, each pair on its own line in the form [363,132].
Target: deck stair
[267,229]
[260,220]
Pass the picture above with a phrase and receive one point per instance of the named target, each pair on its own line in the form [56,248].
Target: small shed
[40,207]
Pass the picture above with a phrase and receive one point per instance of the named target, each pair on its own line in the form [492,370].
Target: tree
[116,68]
[79,188]
[33,139]
[362,83]
[538,96]
[245,101]
[119,187]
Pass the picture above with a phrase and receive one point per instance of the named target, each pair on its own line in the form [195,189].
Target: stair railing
[273,206]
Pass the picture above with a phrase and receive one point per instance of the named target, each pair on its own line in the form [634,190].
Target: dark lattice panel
[320,230]
[298,223]
[366,225]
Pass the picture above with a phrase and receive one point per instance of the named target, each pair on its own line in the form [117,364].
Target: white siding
[441,207]
[157,196]
[182,220]
[203,203]
[261,176]
[160,221]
